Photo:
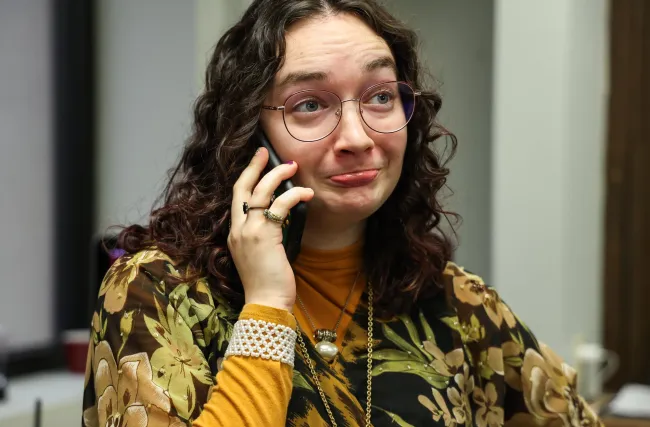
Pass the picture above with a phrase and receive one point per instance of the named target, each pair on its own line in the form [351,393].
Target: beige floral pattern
[466,385]
[157,346]
[549,387]
[125,270]
[146,363]
[458,398]
[445,364]
[440,410]
[491,362]
[89,363]
[470,289]
[513,352]
[178,361]
[460,409]
[488,414]
[126,396]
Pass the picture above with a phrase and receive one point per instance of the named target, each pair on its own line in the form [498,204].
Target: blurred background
[550,101]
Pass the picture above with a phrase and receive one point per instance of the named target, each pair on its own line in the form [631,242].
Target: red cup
[75,343]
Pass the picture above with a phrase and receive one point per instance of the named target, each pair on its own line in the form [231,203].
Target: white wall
[528,177]
[456,44]
[26,173]
[213,18]
[550,88]
[146,85]
[152,58]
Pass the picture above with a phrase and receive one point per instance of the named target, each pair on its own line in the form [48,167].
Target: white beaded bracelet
[268,340]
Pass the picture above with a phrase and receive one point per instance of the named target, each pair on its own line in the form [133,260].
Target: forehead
[339,45]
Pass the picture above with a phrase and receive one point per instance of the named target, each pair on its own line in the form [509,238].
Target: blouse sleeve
[252,391]
[146,361]
[156,347]
[541,387]
[519,380]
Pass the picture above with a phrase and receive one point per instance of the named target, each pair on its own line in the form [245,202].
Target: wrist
[268,314]
[278,303]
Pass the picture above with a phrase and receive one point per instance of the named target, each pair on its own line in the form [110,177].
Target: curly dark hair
[405,249]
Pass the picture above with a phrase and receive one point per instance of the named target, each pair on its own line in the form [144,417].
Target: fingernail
[258,151]
[290,162]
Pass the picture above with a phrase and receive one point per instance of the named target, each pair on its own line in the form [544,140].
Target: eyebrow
[302,76]
[379,63]
[306,76]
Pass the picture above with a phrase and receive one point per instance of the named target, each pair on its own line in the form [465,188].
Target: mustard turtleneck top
[324,279]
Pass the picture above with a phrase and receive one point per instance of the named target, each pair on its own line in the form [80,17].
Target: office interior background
[550,102]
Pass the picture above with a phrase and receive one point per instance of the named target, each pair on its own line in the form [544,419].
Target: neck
[330,235]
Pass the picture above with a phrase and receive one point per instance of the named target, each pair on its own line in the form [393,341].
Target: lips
[355,179]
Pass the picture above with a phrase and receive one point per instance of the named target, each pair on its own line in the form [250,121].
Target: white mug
[595,365]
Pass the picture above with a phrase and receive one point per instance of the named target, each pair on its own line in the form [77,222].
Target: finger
[283,203]
[269,183]
[244,187]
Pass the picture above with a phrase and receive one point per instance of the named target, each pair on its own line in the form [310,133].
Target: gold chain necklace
[326,337]
[310,364]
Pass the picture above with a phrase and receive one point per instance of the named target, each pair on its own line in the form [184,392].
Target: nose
[352,134]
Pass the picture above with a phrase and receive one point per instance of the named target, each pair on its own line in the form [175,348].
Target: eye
[308,106]
[382,98]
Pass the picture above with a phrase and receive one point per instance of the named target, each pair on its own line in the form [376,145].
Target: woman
[195,325]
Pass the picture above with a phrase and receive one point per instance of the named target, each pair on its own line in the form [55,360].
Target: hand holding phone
[292,233]
[261,248]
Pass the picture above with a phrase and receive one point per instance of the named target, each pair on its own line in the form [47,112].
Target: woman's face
[354,170]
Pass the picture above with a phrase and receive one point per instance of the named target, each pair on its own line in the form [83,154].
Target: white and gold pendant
[325,345]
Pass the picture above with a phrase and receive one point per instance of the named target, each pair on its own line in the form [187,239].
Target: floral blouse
[156,348]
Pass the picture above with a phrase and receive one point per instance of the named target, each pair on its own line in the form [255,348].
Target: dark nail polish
[290,162]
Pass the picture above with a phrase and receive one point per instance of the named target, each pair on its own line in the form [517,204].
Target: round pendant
[327,350]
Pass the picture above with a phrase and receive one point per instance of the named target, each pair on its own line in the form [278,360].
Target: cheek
[395,149]
[307,166]
[274,129]
[308,157]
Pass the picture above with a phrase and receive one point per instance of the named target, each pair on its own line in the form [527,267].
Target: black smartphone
[295,225]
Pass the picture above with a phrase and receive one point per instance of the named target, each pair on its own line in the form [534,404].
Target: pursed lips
[355,178]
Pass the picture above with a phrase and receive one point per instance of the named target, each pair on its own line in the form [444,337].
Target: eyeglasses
[311,115]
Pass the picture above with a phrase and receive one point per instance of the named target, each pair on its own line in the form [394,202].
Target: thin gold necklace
[327,337]
[310,364]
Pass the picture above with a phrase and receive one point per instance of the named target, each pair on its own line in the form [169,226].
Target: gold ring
[273,217]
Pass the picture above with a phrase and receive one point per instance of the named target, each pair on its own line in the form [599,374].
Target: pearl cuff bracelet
[257,338]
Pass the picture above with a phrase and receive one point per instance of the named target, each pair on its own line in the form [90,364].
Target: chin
[352,208]
[360,213]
